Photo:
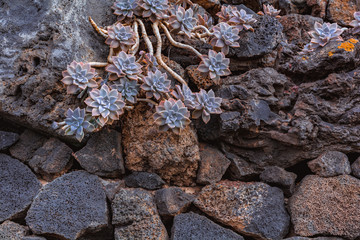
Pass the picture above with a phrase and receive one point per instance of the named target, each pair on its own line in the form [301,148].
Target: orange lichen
[330,54]
[348,45]
[305,58]
[352,40]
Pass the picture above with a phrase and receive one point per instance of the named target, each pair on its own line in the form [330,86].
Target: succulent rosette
[120,36]
[156,83]
[129,89]
[225,36]
[125,8]
[215,64]
[105,104]
[183,20]
[242,20]
[76,122]
[226,13]
[185,94]
[356,23]
[124,65]
[270,10]
[79,76]
[207,104]
[172,114]
[154,9]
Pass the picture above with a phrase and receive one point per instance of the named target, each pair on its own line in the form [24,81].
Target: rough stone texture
[12,231]
[320,63]
[270,121]
[296,28]
[327,206]
[36,48]
[279,177]
[213,164]
[172,201]
[330,164]
[201,80]
[69,207]
[33,238]
[102,154]
[18,187]
[253,209]
[341,11]
[135,216]
[317,238]
[242,170]
[52,159]
[112,186]
[28,143]
[7,139]
[355,168]
[173,157]
[150,181]
[191,226]
[318,7]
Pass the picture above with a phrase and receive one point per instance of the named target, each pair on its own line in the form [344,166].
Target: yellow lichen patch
[305,58]
[352,40]
[330,54]
[348,45]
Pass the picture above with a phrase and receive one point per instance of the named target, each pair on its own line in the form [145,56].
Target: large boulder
[327,206]
[19,186]
[69,207]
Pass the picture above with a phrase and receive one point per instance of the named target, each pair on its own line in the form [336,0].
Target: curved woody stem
[146,37]
[98,29]
[135,48]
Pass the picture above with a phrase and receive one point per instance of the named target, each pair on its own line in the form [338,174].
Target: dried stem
[146,37]
[147,100]
[155,27]
[111,53]
[135,48]
[98,64]
[177,44]
[202,28]
[99,30]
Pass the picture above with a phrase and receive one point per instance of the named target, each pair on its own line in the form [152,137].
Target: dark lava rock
[28,143]
[147,149]
[327,206]
[12,231]
[112,186]
[135,216]
[355,168]
[253,209]
[36,49]
[318,7]
[317,238]
[18,188]
[172,201]
[33,238]
[279,177]
[213,164]
[191,226]
[52,159]
[102,154]
[330,164]
[150,181]
[69,207]
[7,139]
[242,170]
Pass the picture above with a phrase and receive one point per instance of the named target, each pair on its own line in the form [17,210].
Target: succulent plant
[215,64]
[125,8]
[205,20]
[150,62]
[323,34]
[129,89]
[226,13]
[242,20]
[79,76]
[356,23]
[172,114]
[120,36]
[105,104]
[155,84]
[271,11]
[207,104]
[183,20]
[124,65]
[76,122]
[185,94]
[225,36]
[154,9]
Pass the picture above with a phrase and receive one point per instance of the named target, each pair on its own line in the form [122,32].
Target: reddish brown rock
[201,80]
[327,206]
[253,209]
[213,165]
[173,157]
[12,231]
[318,7]
[341,11]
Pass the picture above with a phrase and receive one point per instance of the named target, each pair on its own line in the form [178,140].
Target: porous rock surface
[355,168]
[327,206]
[330,164]
[253,209]
[173,157]
[279,177]
[12,231]
[150,181]
[69,207]
[7,139]
[18,187]
[191,226]
[135,216]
